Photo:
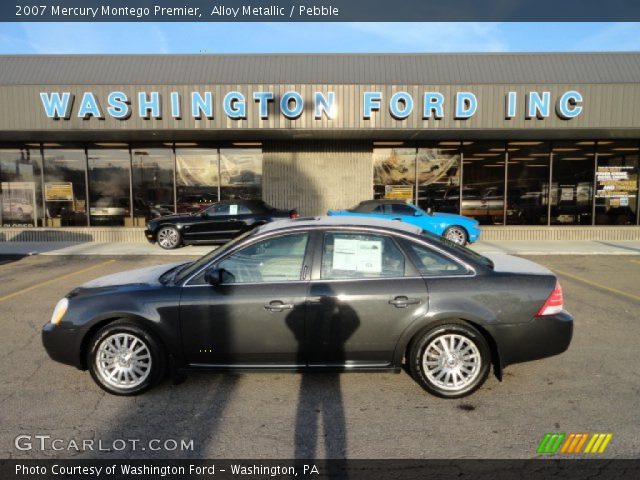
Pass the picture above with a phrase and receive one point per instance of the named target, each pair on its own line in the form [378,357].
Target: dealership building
[515,140]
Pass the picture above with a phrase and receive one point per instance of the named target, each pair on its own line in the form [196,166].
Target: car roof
[369,205]
[340,221]
[381,201]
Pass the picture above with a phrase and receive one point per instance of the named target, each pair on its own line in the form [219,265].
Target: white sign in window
[357,255]
[233,209]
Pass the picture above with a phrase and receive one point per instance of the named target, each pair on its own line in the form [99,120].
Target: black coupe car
[218,223]
[343,293]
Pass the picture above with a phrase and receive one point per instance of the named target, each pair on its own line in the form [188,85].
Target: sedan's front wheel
[450,361]
[456,234]
[169,238]
[124,359]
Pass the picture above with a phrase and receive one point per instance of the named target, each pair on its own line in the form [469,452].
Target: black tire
[441,332]
[168,237]
[124,329]
[456,234]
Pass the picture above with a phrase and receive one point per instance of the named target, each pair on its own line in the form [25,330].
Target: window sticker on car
[233,209]
[357,255]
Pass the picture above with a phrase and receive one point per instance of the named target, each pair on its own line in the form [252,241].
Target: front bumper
[539,338]
[150,235]
[474,234]
[63,344]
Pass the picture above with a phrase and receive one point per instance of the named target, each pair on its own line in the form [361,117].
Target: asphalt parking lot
[593,387]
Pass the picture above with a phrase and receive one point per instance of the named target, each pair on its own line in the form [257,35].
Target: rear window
[473,255]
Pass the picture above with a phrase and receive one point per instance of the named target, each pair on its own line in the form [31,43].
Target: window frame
[466,270]
[304,271]
[316,275]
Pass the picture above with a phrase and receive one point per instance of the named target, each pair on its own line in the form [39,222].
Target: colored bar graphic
[598,443]
[573,442]
[550,443]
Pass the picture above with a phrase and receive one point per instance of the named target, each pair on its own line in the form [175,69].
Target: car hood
[140,276]
[510,264]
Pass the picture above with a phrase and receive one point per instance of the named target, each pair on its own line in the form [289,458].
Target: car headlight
[59,311]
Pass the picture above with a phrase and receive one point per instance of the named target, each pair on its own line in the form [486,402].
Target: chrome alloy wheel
[451,361]
[168,237]
[456,235]
[123,360]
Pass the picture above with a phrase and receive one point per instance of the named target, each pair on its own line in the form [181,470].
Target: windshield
[459,248]
[191,268]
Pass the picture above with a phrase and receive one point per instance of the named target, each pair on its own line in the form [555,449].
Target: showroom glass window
[240,174]
[152,176]
[109,186]
[572,183]
[483,173]
[616,201]
[20,187]
[197,178]
[528,182]
[65,189]
[439,177]
[394,173]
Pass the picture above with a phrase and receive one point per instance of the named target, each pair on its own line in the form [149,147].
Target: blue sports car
[457,228]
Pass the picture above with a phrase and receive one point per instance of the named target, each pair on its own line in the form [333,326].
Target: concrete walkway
[513,247]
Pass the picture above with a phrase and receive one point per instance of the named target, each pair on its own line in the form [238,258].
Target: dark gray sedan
[324,293]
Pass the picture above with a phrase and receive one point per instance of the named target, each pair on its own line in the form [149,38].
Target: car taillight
[553,304]
[293,214]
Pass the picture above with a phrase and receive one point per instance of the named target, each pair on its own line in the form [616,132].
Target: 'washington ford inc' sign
[400,105]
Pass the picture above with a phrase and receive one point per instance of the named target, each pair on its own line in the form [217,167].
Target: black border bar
[320,11]
[538,469]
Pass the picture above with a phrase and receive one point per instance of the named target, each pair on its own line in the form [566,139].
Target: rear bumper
[539,338]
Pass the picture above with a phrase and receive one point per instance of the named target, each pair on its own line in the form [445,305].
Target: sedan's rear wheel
[124,359]
[450,361]
[456,234]
[169,238]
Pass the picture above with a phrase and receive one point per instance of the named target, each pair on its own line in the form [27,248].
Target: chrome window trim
[357,228]
[241,246]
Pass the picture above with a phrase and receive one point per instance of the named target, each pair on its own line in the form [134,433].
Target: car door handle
[403,302]
[278,306]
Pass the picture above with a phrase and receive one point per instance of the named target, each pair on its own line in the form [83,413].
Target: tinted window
[402,209]
[228,209]
[430,262]
[273,260]
[348,255]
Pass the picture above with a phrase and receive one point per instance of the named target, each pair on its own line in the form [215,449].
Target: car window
[430,262]
[277,259]
[228,209]
[355,255]
[402,209]
[217,210]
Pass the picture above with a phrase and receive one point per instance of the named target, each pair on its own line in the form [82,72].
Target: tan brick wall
[316,177]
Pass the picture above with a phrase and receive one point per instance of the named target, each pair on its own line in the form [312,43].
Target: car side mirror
[213,276]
